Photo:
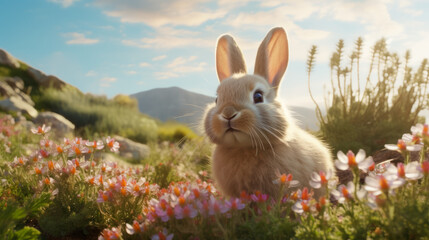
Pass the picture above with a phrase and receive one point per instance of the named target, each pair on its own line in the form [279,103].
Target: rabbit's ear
[273,56]
[229,59]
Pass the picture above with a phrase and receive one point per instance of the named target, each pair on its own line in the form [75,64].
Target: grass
[63,194]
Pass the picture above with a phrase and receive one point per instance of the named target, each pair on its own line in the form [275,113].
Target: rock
[132,150]
[59,124]
[8,60]
[8,91]
[46,80]
[14,82]
[16,104]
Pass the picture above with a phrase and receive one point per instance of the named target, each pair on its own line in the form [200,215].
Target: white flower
[378,184]
[345,162]
[409,171]
[322,179]
[345,193]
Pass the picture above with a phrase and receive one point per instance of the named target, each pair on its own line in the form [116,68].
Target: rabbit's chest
[249,172]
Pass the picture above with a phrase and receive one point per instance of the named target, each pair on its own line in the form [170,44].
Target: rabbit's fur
[257,141]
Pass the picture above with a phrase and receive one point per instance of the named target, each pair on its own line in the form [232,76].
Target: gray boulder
[8,60]
[14,82]
[132,150]
[45,80]
[9,91]
[59,124]
[16,104]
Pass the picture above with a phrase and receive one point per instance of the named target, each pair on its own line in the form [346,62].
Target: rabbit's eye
[257,97]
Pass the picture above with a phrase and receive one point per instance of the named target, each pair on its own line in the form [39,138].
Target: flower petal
[341,165]
[342,157]
[360,156]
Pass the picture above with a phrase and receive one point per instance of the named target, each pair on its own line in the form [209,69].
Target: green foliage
[32,87]
[370,115]
[174,132]
[97,114]
[12,215]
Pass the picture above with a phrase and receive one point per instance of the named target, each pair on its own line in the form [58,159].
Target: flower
[378,184]
[286,180]
[135,228]
[351,161]
[302,206]
[323,180]
[162,235]
[402,146]
[235,204]
[409,171]
[112,144]
[188,211]
[110,234]
[424,168]
[41,130]
[96,145]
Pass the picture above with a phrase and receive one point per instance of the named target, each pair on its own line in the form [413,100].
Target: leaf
[27,233]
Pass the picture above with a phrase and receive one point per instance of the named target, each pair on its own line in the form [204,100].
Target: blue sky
[124,46]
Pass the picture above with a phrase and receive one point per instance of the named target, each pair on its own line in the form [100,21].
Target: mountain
[187,107]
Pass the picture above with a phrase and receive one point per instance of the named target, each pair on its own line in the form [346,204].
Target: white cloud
[144,64]
[79,38]
[108,79]
[180,66]
[167,38]
[131,72]
[160,13]
[158,58]
[64,3]
[91,73]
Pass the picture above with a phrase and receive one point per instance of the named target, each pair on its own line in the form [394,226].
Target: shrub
[97,114]
[370,115]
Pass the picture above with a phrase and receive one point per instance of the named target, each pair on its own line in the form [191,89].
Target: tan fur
[254,141]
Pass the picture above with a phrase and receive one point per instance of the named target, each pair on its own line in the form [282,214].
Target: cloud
[64,3]
[131,72]
[108,79]
[160,13]
[144,64]
[167,38]
[79,38]
[158,58]
[91,73]
[181,66]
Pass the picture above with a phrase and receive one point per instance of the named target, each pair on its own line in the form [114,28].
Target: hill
[187,107]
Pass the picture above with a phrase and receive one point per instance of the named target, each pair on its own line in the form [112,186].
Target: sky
[111,47]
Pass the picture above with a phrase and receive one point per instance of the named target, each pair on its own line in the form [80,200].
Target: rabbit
[254,135]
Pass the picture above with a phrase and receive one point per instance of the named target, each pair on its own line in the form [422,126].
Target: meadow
[65,190]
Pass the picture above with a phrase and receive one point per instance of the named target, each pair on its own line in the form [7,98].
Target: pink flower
[104,196]
[162,235]
[188,211]
[112,144]
[424,168]
[351,161]
[110,234]
[235,204]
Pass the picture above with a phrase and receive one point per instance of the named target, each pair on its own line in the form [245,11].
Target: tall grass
[98,115]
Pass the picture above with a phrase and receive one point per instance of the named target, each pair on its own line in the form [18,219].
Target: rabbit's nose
[229,113]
